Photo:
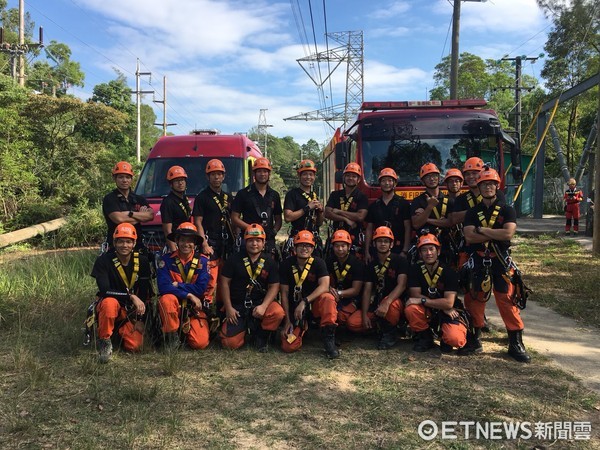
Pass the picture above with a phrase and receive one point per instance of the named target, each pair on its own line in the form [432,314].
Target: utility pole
[17,51]
[455,47]
[164,123]
[262,130]
[138,97]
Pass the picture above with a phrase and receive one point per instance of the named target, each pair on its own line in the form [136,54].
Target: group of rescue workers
[387,269]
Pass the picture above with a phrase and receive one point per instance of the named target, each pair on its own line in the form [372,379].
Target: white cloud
[391,10]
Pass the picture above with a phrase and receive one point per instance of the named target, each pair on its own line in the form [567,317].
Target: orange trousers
[510,314]
[109,311]
[355,322]
[213,270]
[454,333]
[234,336]
[170,312]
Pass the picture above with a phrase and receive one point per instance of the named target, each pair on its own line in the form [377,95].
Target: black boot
[388,336]
[261,340]
[445,348]
[331,350]
[516,349]
[473,344]
[423,341]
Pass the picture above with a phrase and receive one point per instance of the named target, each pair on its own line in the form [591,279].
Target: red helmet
[387,172]
[428,239]
[122,167]
[454,173]
[125,230]
[186,229]
[427,169]
[353,168]
[488,175]
[341,236]
[383,232]
[306,164]
[176,172]
[215,165]
[473,163]
[255,231]
[262,163]
[304,237]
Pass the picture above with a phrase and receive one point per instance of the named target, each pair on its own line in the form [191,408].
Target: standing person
[175,207]
[123,206]
[123,278]
[346,276]
[385,283]
[453,180]
[433,301]
[182,279]
[572,198]
[249,284]
[347,208]
[430,211]
[489,226]
[212,218]
[304,289]
[301,207]
[259,203]
[390,210]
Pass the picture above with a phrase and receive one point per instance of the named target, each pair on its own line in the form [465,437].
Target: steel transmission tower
[350,52]
[263,135]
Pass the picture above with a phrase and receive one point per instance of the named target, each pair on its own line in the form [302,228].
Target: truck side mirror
[339,177]
[341,154]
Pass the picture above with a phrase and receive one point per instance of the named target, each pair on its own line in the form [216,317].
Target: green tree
[56,79]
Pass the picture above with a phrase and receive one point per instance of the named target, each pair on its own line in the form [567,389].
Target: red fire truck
[404,135]
[192,152]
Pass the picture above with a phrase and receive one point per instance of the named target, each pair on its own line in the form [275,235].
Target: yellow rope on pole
[537,149]
[537,113]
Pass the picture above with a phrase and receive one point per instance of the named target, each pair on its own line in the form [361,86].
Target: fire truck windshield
[153,181]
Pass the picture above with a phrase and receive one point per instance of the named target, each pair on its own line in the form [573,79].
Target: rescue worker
[301,206]
[182,279]
[123,278]
[347,207]
[385,284]
[572,198]
[175,207]
[249,284]
[430,211]
[123,206]
[433,301]
[304,289]
[346,276]
[259,203]
[489,226]
[453,180]
[390,210]
[212,218]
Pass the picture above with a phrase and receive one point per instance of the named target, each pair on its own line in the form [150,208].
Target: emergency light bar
[465,103]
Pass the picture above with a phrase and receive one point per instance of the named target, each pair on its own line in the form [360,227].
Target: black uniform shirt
[295,200]
[444,208]
[354,268]
[114,201]
[506,214]
[358,200]
[447,281]
[108,278]
[235,269]
[391,215]
[206,207]
[398,265]
[249,203]
[317,270]
[175,210]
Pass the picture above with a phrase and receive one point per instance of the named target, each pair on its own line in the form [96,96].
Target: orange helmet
[262,163]
[255,231]
[122,167]
[306,164]
[428,239]
[454,173]
[473,163]
[387,172]
[428,168]
[341,236]
[176,172]
[304,237]
[383,232]
[125,230]
[186,229]
[488,174]
[353,168]
[215,165]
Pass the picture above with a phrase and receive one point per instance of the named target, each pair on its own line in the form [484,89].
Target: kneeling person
[182,279]
[249,284]
[432,299]
[123,279]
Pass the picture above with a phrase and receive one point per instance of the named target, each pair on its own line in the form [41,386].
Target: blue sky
[225,60]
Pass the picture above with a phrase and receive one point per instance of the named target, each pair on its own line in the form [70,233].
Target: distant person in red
[572,198]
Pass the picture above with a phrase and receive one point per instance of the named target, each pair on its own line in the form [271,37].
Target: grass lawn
[53,393]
